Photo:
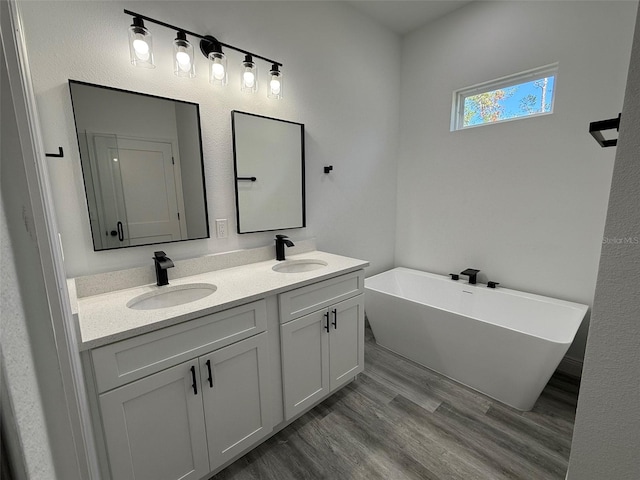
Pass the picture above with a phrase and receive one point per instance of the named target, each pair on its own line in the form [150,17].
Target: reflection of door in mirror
[138,190]
[142,164]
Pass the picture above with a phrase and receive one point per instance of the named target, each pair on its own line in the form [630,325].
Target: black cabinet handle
[193,377]
[210,376]
[120,232]
[249,179]
[335,318]
[326,321]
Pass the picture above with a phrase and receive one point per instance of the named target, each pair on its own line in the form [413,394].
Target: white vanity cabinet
[185,421]
[154,427]
[236,401]
[324,349]
[185,400]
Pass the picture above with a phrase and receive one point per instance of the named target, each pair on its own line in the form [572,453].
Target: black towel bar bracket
[60,153]
[596,128]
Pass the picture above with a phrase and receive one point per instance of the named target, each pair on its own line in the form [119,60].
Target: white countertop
[105,318]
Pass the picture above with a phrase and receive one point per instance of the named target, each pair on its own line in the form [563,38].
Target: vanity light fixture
[140,44]
[249,79]
[184,61]
[275,83]
[184,66]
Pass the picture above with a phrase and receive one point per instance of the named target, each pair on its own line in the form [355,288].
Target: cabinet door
[346,341]
[154,428]
[305,362]
[235,386]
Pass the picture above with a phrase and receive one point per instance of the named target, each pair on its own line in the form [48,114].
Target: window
[523,95]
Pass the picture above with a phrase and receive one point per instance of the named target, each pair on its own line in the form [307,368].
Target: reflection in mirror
[269,167]
[142,166]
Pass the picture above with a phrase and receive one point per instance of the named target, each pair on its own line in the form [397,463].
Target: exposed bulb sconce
[211,49]
[249,79]
[141,50]
[275,83]
[140,44]
[183,56]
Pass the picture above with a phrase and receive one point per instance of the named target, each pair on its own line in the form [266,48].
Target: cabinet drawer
[134,358]
[302,301]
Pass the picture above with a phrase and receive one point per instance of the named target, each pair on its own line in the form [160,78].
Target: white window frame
[459,96]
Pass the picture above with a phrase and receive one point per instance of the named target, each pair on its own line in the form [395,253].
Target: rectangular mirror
[268,159]
[142,165]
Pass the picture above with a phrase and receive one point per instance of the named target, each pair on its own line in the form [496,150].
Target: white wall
[28,349]
[524,201]
[332,84]
[191,170]
[606,437]
[99,110]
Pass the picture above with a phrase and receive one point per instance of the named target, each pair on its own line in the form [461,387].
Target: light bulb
[275,86]
[142,48]
[218,66]
[183,53]
[184,61]
[217,70]
[183,57]
[140,44]
[249,79]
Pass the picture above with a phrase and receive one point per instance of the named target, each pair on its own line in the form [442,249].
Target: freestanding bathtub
[503,343]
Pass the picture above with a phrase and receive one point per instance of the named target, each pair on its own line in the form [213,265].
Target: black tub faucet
[162,263]
[472,273]
[281,241]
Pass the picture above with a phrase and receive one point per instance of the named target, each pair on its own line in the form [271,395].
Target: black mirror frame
[204,186]
[236,178]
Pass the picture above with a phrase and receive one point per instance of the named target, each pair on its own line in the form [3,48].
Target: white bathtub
[503,343]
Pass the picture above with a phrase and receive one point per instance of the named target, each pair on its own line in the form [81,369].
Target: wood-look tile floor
[399,421]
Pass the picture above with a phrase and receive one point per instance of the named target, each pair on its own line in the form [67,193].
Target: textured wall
[24,324]
[524,201]
[606,438]
[333,84]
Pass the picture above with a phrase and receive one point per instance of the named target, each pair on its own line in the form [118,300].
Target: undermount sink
[297,266]
[171,296]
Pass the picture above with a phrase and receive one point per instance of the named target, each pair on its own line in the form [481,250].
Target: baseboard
[571,366]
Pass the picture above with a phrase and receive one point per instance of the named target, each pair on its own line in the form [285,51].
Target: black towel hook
[596,128]
[60,153]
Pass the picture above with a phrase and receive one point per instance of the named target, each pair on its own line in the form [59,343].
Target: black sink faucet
[162,263]
[281,241]
[472,273]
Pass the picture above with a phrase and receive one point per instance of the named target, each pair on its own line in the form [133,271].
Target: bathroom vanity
[180,392]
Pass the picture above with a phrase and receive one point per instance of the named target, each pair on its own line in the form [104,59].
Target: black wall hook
[328,169]
[60,153]
[596,128]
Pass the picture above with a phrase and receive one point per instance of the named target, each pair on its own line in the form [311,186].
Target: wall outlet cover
[221,228]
